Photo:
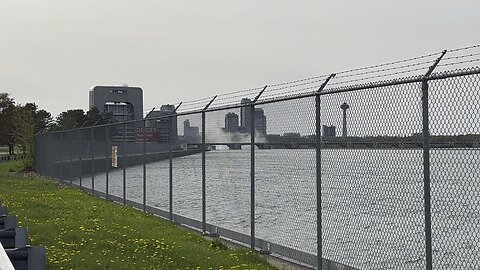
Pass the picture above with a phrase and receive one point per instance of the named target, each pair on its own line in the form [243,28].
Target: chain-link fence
[382,175]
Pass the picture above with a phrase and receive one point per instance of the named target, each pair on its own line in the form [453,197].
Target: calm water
[372,201]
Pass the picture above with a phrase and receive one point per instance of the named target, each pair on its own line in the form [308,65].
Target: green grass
[84,232]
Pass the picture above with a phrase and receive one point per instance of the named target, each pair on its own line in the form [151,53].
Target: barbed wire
[383,70]
[224,104]
[293,86]
[460,56]
[191,107]
[197,100]
[241,91]
[380,76]
[220,96]
[231,97]
[353,75]
[202,101]
[460,62]
[324,76]
[464,48]
[301,80]
[390,63]
[361,68]
[302,90]
[147,110]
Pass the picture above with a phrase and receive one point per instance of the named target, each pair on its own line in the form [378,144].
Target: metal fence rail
[12,157]
[331,174]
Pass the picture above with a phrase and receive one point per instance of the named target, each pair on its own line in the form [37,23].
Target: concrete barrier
[28,258]
[7,222]
[14,237]
[5,262]
[15,252]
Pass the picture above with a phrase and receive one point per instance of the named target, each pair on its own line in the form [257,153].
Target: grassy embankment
[84,232]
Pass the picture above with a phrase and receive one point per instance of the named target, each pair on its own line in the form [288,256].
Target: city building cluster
[124,103]
[243,125]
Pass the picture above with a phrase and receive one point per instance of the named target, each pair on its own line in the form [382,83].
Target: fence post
[35,154]
[170,181]
[204,185]
[61,153]
[144,166]
[318,138]
[43,163]
[107,161]
[92,147]
[252,176]
[70,153]
[36,150]
[252,169]
[426,176]
[204,201]
[426,166]
[318,157]
[124,161]
[79,146]
[170,157]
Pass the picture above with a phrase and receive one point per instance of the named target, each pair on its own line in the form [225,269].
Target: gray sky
[52,52]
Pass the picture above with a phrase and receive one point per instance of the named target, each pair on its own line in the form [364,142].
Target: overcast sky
[52,52]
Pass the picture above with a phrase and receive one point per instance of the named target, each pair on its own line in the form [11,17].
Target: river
[372,201]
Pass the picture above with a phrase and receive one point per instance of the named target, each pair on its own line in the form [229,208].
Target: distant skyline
[52,53]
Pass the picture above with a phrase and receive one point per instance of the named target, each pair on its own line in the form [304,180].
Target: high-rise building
[260,121]
[231,122]
[123,103]
[245,115]
[165,123]
[329,131]
[191,134]
[245,118]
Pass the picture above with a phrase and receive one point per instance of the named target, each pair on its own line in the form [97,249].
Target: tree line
[19,123]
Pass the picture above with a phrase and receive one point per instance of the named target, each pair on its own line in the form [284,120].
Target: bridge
[339,145]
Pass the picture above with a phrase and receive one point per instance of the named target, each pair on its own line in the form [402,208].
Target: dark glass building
[231,122]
